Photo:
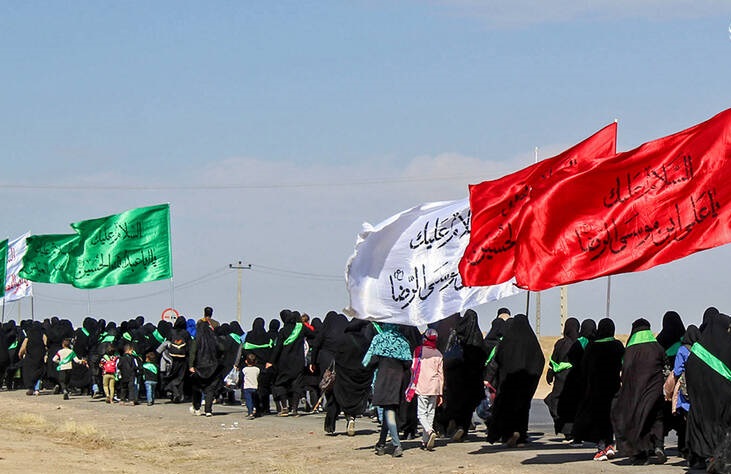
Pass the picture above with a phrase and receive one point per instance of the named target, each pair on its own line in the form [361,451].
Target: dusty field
[47,434]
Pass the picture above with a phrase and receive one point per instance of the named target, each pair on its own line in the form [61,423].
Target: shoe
[380,450]
[284,412]
[601,455]
[431,440]
[36,393]
[29,392]
[397,452]
[576,444]
[351,427]
[208,413]
[330,433]
[661,456]
[250,417]
[65,396]
[458,434]
[513,440]
[611,451]
[194,412]
[149,404]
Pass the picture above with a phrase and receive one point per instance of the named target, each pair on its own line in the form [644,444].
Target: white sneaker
[351,427]
[194,412]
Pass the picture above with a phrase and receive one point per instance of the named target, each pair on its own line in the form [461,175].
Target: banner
[3,262]
[47,258]
[126,248]
[15,287]
[496,208]
[657,203]
[404,270]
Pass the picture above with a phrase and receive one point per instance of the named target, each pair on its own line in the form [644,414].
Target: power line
[223,187]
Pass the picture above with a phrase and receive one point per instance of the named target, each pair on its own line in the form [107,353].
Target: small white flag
[405,269]
[16,287]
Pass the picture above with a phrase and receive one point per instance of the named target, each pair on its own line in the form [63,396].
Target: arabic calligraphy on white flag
[16,287]
[404,270]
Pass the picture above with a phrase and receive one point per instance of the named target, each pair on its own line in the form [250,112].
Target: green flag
[131,247]
[4,264]
[47,258]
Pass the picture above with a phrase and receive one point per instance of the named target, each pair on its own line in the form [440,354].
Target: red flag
[657,203]
[496,208]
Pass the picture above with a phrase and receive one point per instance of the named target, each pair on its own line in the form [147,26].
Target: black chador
[559,368]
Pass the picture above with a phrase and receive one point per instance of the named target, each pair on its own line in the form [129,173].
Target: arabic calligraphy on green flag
[4,264]
[47,258]
[131,247]
[127,248]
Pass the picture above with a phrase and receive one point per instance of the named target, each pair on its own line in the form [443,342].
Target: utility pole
[564,305]
[239,267]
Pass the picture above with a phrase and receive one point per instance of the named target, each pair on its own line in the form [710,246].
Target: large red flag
[496,207]
[657,203]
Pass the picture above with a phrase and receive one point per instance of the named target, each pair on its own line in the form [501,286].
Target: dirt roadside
[47,434]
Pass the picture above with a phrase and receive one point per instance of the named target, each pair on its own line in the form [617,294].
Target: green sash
[378,328]
[127,336]
[673,350]
[150,366]
[559,366]
[66,360]
[605,339]
[711,360]
[156,334]
[583,341]
[294,334]
[492,355]
[13,345]
[641,337]
[249,346]
[86,333]
[235,337]
[105,337]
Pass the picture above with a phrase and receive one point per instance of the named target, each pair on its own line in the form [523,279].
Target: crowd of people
[624,398]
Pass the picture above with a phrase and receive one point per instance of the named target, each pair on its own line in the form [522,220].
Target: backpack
[110,365]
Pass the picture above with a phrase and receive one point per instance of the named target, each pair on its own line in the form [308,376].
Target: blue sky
[275,129]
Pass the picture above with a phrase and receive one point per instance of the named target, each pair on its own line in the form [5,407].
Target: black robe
[558,372]
[289,359]
[637,410]
[709,419]
[519,363]
[35,350]
[601,367]
[575,383]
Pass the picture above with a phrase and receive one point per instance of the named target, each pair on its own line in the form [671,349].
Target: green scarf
[86,333]
[641,337]
[583,341]
[150,366]
[294,334]
[156,334]
[605,339]
[235,337]
[105,337]
[711,360]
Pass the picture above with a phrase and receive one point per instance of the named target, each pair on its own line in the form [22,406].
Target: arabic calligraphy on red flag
[496,208]
[662,201]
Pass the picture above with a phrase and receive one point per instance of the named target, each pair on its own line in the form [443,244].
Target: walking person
[427,383]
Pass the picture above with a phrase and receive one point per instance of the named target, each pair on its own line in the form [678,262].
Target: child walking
[150,376]
[128,371]
[65,357]
[251,385]
[108,365]
[427,383]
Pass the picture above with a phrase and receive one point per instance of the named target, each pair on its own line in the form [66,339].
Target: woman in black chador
[600,368]
[518,364]
[575,384]
[257,342]
[32,352]
[352,387]
[205,362]
[559,368]
[637,411]
[709,387]
[178,347]
[288,356]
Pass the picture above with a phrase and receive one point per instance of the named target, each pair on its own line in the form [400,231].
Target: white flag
[404,270]
[16,287]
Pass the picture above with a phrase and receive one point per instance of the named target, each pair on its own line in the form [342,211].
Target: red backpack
[110,365]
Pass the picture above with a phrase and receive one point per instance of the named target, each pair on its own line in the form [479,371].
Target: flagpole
[609,291]
[88,302]
[32,309]
[538,294]
[527,302]
[3,309]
